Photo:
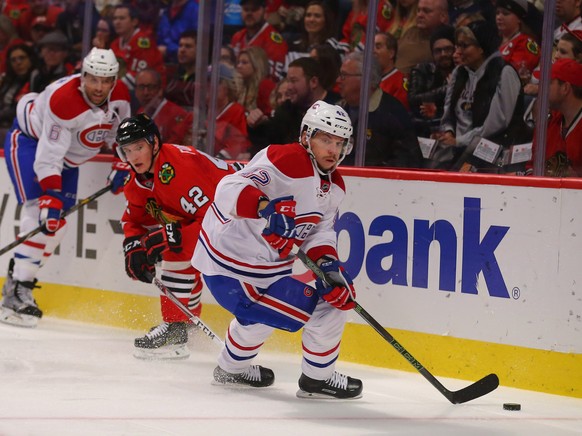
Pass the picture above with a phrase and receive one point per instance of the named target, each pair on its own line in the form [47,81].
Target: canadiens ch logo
[166,173]
[307,291]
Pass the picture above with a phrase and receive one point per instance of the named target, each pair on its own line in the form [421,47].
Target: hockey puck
[511,406]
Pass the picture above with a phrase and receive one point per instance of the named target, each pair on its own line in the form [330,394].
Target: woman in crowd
[396,20]
[20,62]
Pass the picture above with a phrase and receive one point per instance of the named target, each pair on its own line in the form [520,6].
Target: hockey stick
[19,240]
[476,390]
[195,320]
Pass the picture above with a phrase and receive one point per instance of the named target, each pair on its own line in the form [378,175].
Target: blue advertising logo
[477,253]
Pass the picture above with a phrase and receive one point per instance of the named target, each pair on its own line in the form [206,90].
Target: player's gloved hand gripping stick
[476,390]
[19,240]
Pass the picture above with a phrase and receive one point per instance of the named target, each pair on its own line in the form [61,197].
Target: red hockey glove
[280,229]
[156,242]
[137,266]
[118,176]
[339,290]
[51,207]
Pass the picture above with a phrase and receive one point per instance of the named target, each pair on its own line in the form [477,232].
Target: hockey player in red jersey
[54,133]
[169,191]
[296,190]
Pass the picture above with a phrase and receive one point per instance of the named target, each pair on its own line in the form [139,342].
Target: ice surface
[65,378]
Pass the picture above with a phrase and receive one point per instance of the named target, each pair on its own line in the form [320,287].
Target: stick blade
[481,387]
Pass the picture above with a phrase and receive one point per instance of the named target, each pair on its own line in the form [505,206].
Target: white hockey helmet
[331,119]
[101,63]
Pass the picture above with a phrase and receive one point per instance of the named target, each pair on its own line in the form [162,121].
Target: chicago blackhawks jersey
[230,243]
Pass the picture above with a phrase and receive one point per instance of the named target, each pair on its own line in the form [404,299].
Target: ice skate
[169,340]
[18,307]
[338,386]
[255,376]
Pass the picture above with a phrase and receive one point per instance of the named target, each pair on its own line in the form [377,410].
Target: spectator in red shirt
[181,87]
[38,8]
[393,81]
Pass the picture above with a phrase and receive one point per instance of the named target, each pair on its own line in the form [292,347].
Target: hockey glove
[158,241]
[280,229]
[118,176]
[137,266]
[339,290]
[51,207]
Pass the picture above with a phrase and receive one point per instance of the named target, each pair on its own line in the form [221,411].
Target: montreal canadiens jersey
[232,245]
[182,189]
[70,129]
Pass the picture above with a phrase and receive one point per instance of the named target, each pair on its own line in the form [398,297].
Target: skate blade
[10,317]
[169,352]
[319,396]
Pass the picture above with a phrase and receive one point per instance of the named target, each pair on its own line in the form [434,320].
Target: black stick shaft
[19,240]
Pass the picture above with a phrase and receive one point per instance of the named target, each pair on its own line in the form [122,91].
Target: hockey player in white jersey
[53,134]
[288,194]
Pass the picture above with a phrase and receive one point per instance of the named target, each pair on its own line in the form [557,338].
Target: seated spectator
[564,134]
[227,56]
[71,23]
[428,82]
[483,100]
[397,19]
[8,38]
[178,17]
[318,28]
[286,16]
[253,68]
[181,87]
[54,51]
[517,48]
[231,139]
[20,61]
[354,26]
[391,140]
[174,123]
[38,29]
[568,15]
[305,87]
[326,55]
[257,32]
[134,49]
[414,44]
[570,46]
[13,9]
[104,34]
[38,8]
[279,95]
[392,81]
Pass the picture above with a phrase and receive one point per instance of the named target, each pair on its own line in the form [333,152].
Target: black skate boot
[255,376]
[338,386]
[166,341]
[18,306]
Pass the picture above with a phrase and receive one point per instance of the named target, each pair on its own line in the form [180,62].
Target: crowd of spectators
[452,85]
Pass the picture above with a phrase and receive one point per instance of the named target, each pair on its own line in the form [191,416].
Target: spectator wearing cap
[483,99]
[564,134]
[568,15]
[257,32]
[30,17]
[8,38]
[231,138]
[174,123]
[393,81]
[428,81]
[53,53]
[517,48]
[38,29]
[178,17]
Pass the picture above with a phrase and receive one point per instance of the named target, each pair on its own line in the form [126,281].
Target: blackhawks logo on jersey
[143,42]
[166,173]
[276,37]
[532,47]
[387,11]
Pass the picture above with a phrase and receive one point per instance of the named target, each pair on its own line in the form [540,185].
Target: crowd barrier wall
[472,274]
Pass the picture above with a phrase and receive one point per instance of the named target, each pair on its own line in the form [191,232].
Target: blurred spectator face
[556,93]
[244,66]
[298,89]
[314,20]
[252,16]
[350,82]
[97,89]
[507,22]
[442,53]
[567,10]
[564,50]
[123,24]
[471,54]
[102,34]
[187,51]
[227,56]
[383,55]
[38,31]
[38,7]
[147,88]
[430,14]
[282,93]
[20,62]
[53,55]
